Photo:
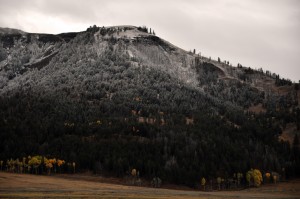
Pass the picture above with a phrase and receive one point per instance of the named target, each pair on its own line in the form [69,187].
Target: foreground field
[32,186]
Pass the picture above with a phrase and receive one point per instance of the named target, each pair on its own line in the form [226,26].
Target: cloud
[252,32]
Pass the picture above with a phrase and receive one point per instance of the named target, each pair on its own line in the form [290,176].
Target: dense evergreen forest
[113,103]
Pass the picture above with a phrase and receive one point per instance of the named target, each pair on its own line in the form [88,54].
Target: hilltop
[117,98]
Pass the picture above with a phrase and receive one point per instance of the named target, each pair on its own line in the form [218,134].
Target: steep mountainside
[117,98]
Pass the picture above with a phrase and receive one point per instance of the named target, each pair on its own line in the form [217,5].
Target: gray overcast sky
[255,33]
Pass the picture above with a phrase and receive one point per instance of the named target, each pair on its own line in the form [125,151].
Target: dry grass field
[32,186]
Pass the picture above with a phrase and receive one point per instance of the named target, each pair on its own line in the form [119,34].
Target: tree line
[37,165]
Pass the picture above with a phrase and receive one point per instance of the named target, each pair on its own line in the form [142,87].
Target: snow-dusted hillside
[120,97]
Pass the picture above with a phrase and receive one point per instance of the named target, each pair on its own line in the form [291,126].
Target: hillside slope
[117,98]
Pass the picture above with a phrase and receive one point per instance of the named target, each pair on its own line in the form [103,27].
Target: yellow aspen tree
[133,172]
[268,175]
[48,164]
[203,182]
[17,164]
[98,122]
[28,165]
[21,167]
[257,177]
[35,162]
[249,176]
[73,164]
[12,165]
[60,163]
[53,163]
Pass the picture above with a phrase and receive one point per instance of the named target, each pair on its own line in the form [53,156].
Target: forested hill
[116,98]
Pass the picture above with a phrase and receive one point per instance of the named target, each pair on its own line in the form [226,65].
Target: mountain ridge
[82,96]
